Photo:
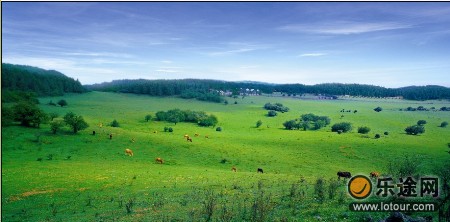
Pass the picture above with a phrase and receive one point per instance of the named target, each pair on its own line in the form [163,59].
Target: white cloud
[344,27]
[167,70]
[312,54]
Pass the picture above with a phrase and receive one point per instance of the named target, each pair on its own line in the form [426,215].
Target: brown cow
[374,174]
[159,160]
[190,139]
[128,152]
[234,169]
[197,134]
[186,136]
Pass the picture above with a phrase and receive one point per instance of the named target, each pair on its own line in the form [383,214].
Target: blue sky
[379,43]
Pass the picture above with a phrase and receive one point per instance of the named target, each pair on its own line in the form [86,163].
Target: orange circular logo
[359,187]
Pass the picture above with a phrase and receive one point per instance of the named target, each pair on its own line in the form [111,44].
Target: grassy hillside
[98,181]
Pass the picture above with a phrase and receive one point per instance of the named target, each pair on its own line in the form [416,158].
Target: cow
[128,152]
[93,132]
[186,136]
[190,139]
[197,134]
[374,174]
[234,169]
[159,160]
[343,174]
[260,170]
[206,136]
[110,136]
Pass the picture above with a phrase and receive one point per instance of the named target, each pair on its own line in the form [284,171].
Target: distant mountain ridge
[40,81]
[177,87]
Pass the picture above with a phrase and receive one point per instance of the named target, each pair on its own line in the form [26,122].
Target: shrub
[272,113]
[378,109]
[258,123]
[377,136]
[170,129]
[56,125]
[166,129]
[363,130]
[414,130]
[62,102]
[114,123]
[319,189]
[386,133]
[444,124]
[421,122]
[276,107]
[343,126]
[148,117]
[219,129]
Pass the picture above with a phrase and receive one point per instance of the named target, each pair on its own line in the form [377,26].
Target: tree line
[20,78]
[183,86]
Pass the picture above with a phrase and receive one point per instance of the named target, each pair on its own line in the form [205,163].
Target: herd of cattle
[159,160]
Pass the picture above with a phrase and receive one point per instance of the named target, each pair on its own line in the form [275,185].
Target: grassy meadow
[100,183]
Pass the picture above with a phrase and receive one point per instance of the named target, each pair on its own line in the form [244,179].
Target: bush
[114,123]
[56,125]
[62,102]
[290,125]
[386,133]
[166,129]
[276,107]
[421,122]
[444,124]
[344,127]
[219,129]
[77,123]
[378,109]
[258,123]
[363,130]
[415,130]
[272,113]
[377,136]
[148,117]
[170,129]
[319,189]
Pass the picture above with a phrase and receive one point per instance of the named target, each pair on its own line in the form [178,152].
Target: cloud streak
[312,54]
[344,27]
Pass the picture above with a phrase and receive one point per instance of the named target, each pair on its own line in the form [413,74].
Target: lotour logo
[360,187]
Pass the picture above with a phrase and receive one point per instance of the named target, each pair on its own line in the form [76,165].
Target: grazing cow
[128,152]
[190,139]
[206,136]
[343,174]
[260,170]
[197,134]
[234,169]
[159,160]
[186,136]
[374,174]
[110,136]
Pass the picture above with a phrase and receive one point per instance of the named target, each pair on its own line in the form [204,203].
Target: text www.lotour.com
[391,206]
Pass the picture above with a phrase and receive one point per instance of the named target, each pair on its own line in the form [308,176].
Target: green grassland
[99,180]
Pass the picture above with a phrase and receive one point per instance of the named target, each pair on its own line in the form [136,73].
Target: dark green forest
[181,87]
[20,78]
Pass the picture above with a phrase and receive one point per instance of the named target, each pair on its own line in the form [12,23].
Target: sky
[390,44]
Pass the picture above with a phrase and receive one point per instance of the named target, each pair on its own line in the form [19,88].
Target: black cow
[260,170]
[343,174]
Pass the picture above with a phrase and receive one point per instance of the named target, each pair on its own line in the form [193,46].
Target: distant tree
[56,125]
[170,129]
[77,123]
[209,121]
[166,129]
[363,130]
[444,124]
[355,111]
[271,113]
[421,122]
[343,126]
[258,123]
[290,125]
[377,136]
[386,133]
[414,130]
[304,125]
[378,109]
[28,114]
[148,117]
[114,123]
[7,116]
[161,116]
[219,129]
[235,102]
[175,116]
[62,102]
[53,115]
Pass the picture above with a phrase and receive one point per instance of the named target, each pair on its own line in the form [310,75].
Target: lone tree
[415,130]
[114,123]
[77,123]
[148,117]
[378,109]
[421,122]
[62,102]
[56,125]
[363,130]
[29,114]
[344,127]
[258,123]
[290,125]
[444,124]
